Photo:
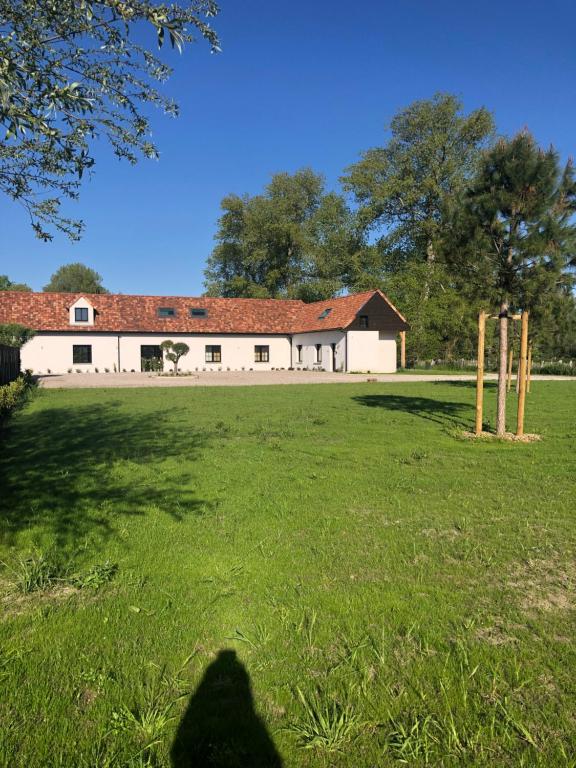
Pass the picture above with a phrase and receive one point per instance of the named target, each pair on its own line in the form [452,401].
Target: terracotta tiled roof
[139,314]
[343,311]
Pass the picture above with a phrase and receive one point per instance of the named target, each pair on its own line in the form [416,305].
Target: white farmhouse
[89,332]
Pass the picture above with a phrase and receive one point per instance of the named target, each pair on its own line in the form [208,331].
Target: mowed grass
[320,575]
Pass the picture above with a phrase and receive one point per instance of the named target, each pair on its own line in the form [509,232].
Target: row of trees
[444,218]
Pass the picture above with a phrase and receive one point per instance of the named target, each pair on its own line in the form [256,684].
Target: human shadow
[220,728]
[439,411]
[76,471]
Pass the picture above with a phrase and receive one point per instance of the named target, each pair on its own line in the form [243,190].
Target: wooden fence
[9,364]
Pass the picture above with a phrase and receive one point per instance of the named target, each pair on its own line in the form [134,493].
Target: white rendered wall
[237,351]
[367,351]
[373,351]
[54,352]
[325,338]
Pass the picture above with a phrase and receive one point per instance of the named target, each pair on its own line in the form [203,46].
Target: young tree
[75,278]
[404,188]
[515,234]
[293,240]
[174,351]
[7,285]
[74,71]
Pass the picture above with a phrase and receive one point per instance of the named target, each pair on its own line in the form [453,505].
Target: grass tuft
[324,723]
[35,572]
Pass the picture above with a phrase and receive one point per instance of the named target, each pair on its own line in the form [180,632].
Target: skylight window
[166,312]
[325,313]
[198,312]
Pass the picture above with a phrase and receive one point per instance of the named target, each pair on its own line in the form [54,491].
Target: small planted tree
[516,236]
[174,352]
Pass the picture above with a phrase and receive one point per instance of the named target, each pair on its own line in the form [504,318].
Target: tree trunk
[502,369]
[430,260]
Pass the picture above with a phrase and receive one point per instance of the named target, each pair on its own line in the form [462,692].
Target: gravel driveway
[247,378]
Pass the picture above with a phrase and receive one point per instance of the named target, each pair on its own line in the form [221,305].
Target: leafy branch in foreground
[71,72]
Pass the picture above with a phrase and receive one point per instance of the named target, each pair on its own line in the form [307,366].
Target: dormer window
[166,312]
[325,313]
[81,313]
[198,312]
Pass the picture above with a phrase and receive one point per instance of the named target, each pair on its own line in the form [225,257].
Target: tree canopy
[72,72]
[439,212]
[14,334]
[404,188]
[7,285]
[75,278]
[515,234]
[294,240]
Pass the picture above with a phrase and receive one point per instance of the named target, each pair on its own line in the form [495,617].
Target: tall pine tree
[515,234]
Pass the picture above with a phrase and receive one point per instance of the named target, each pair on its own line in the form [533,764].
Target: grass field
[320,575]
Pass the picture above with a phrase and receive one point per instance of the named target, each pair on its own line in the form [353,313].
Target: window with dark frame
[363,321]
[261,353]
[213,353]
[198,312]
[81,314]
[81,354]
[299,348]
[318,353]
[166,312]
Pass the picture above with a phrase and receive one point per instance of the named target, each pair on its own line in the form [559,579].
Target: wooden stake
[510,355]
[480,373]
[522,374]
[402,349]
[529,371]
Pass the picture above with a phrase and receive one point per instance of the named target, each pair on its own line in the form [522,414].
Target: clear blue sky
[300,83]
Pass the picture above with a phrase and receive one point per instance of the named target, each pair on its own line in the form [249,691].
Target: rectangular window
[213,353]
[198,312]
[261,354]
[166,312]
[81,314]
[299,348]
[318,353]
[363,321]
[81,353]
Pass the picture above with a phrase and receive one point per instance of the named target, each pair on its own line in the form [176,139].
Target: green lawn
[320,575]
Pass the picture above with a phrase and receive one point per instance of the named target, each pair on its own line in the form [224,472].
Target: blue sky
[300,84]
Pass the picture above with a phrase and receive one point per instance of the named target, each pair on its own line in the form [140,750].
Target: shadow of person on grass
[220,728]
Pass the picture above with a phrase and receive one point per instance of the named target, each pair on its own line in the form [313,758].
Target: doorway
[151,358]
[333,347]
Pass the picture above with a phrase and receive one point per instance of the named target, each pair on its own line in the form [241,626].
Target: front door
[151,358]
[333,345]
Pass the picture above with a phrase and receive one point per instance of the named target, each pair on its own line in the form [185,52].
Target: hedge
[13,395]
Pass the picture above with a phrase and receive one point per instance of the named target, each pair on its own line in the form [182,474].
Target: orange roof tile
[117,313]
